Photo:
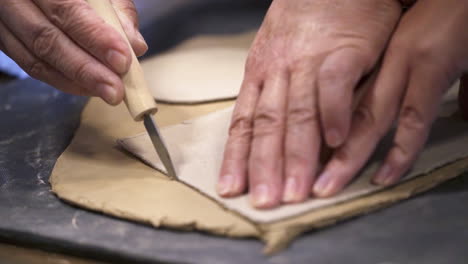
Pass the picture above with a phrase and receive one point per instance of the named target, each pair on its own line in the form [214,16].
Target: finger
[233,176]
[49,44]
[266,155]
[337,80]
[302,140]
[463,96]
[425,90]
[372,119]
[128,16]
[79,21]
[34,67]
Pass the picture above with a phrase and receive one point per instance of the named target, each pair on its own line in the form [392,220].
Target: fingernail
[333,138]
[323,185]
[261,196]
[290,191]
[225,185]
[107,93]
[142,40]
[383,175]
[118,61]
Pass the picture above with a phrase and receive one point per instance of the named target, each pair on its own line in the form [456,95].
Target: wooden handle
[138,98]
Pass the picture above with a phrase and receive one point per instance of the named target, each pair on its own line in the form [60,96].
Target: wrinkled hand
[299,81]
[426,54]
[66,44]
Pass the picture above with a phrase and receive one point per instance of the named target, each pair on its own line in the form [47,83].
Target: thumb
[128,16]
[463,97]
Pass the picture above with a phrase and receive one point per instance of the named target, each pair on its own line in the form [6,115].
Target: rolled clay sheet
[197,148]
[93,173]
[202,69]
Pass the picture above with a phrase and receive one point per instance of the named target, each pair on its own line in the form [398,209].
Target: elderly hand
[299,81]
[426,54]
[66,44]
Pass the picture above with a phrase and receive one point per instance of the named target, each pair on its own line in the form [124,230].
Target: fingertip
[326,185]
[224,185]
[384,176]
[336,124]
[229,186]
[119,61]
[128,18]
[320,188]
[263,197]
[292,193]
[338,77]
[139,45]
[107,93]
[111,94]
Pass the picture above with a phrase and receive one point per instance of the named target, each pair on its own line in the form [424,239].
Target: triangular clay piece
[197,149]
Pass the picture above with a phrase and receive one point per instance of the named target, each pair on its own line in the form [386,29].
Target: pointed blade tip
[159,145]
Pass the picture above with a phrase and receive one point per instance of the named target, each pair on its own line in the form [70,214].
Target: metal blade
[159,145]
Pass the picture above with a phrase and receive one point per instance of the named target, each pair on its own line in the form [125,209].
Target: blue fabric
[9,67]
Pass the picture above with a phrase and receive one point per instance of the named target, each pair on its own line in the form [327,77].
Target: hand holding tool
[138,98]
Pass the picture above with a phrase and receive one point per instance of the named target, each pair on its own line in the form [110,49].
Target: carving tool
[138,98]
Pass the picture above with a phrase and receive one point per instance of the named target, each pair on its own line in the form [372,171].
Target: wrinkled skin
[66,44]
[423,60]
[302,69]
[299,86]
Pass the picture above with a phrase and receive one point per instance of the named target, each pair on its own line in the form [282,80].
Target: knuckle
[251,62]
[333,72]
[418,51]
[61,12]
[254,68]
[267,121]
[35,69]
[251,66]
[241,126]
[400,156]
[424,51]
[263,160]
[45,41]
[72,17]
[303,65]
[411,118]
[297,160]
[94,36]
[129,9]
[83,73]
[300,115]
[345,63]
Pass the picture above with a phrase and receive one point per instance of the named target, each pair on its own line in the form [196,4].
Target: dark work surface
[37,123]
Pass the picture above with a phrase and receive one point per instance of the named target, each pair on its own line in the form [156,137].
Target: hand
[303,67]
[426,54]
[66,44]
